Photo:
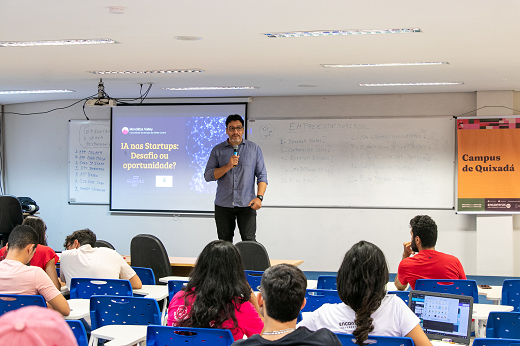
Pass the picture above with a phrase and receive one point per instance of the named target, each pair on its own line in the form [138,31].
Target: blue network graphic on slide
[204,134]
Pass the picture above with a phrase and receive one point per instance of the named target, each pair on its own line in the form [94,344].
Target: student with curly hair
[217,295]
[366,308]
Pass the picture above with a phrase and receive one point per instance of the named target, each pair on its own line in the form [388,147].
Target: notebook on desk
[443,316]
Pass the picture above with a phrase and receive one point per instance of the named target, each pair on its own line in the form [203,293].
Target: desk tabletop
[121,334]
[493,293]
[79,308]
[481,311]
[157,292]
[190,261]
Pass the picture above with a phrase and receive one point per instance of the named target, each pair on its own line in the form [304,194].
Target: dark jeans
[245,218]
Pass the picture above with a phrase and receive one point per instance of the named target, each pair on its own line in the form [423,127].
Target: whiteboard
[377,162]
[89,161]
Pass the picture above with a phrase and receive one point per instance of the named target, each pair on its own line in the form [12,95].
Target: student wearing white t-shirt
[83,260]
[366,309]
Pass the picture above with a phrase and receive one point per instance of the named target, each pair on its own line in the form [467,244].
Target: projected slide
[159,154]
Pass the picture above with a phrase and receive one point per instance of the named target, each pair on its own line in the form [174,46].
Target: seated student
[427,262]
[282,296]
[35,326]
[217,295]
[83,260]
[44,257]
[18,278]
[366,308]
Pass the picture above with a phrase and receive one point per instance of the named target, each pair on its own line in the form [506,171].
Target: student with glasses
[234,164]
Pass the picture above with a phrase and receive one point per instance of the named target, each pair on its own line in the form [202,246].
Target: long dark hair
[218,284]
[362,280]
[39,226]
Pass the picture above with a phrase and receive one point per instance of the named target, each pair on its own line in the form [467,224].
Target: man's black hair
[283,289]
[21,236]
[426,229]
[234,117]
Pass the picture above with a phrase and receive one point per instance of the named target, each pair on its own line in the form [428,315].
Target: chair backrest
[11,215]
[316,298]
[9,302]
[148,251]
[103,243]
[461,287]
[350,340]
[505,325]
[108,310]
[145,274]
[254,278]
[167,336]
[175,286]
[327,282]
[511,293]
[254,255]
[84,288]
[79,331]
[495,342]
[404,295]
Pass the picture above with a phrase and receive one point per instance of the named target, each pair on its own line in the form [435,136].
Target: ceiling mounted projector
[102,100]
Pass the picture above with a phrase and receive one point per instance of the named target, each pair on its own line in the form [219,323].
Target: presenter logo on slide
[125,130]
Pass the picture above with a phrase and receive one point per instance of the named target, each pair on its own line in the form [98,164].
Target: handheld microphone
[235,152]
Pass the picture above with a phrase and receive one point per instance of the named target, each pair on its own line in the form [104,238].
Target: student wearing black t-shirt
[281,297]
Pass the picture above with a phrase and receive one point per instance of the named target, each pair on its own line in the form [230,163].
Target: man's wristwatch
[260,197]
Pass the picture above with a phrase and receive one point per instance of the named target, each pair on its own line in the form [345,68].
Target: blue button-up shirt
[236,188]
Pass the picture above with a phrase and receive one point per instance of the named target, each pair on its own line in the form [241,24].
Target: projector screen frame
[177,211]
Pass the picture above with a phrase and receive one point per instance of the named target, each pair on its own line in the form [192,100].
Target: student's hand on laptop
[407,249]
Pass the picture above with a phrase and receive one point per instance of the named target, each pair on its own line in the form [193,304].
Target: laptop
[443,316]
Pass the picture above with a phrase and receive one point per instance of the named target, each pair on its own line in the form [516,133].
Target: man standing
[235,164]
[281,297]
[426,263]
[83,260]
[16,277]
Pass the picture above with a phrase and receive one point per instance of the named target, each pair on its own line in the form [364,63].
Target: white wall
[36,166]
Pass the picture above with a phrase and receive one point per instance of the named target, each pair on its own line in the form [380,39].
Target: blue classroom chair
[504,325]
[109,310]
[84,288]
[404,295]
[79,331]
[254,278]
[327,282]
[175,286]
[495,342]
[350,340]
[145,274]
[166,336]
[9,302]
[461,287]
[511,293]
[316,298]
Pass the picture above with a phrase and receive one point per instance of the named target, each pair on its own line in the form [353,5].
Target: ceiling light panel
[14,92]
[55,43]
[409,84]
[385,65]
[214,88]
[342,32]
[149,71]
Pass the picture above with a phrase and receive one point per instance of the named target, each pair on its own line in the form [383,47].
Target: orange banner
[489,165]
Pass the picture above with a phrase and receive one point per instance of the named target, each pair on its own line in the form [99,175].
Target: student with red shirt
[44,257]
[217,295]
[427,263]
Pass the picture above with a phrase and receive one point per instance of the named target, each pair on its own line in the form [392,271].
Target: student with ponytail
[366,308]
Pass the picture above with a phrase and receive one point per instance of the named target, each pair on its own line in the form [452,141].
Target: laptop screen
[443,315]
